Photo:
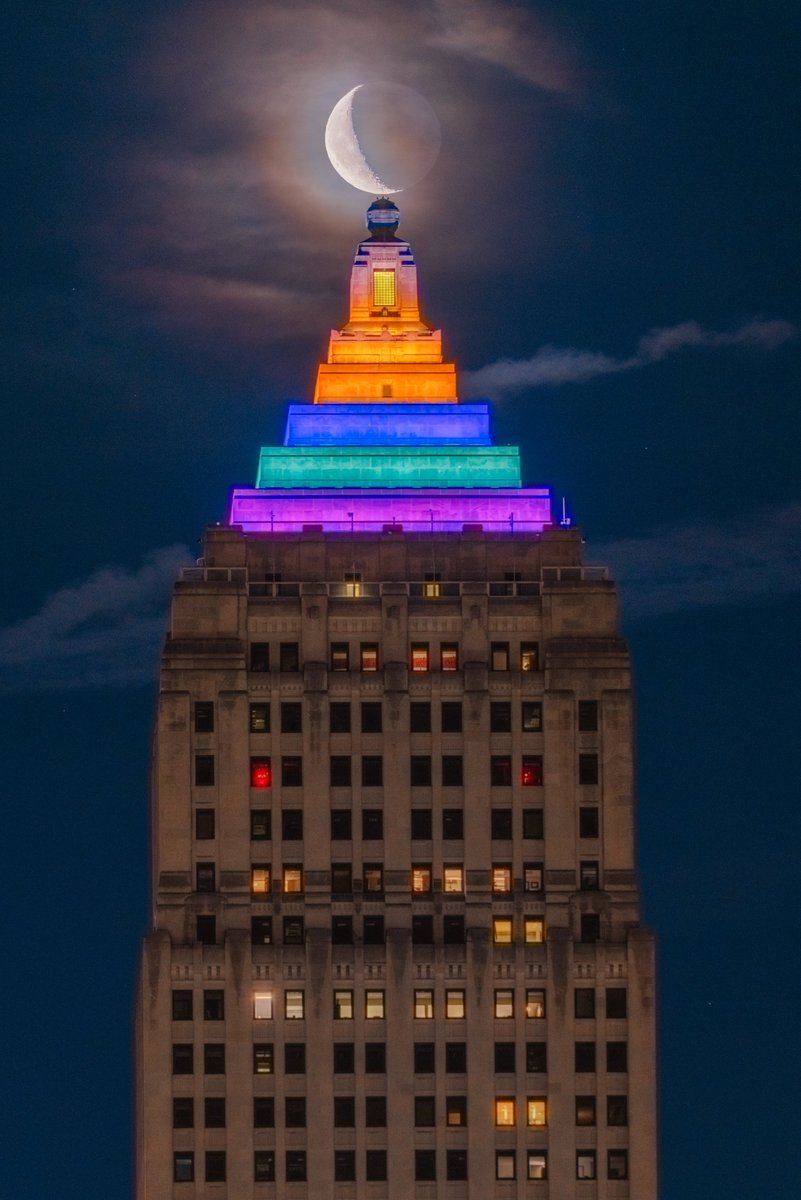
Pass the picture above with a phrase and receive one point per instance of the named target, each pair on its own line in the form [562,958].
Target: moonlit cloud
[104,631]
[553,365]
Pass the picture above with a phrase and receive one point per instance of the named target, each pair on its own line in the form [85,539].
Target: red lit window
[261,775]
[369,655]
[449,655]
[420,656]
[531,773]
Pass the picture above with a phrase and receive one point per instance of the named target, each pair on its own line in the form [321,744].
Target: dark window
[424,1058]
[588,716]
[537,1057]
[183,1112]
[341,824]
[204,716]
[533,824]
[617,1164]
[260,825]
[501,824]
[373,931]
[291,771]
[505,1056]
[452,771]
[375,1165]
[617,1058]
[295,1112]
[183,1166]
[532,877]
[584,1002]
[455,1058]
[292,824]
[617,1110]
[531,716]
[420,716]
[589,876]
[291,717]
[499,656]
[500,716]
[295,1058]
[372,716]
[616,1008]
[214,1112]
[259,656]
[344,1112]
[204,770]
[453,930]
[425,1112]
[425,1165]
[451,716]
[182,1005]
[293,931]
[259,718]
[585,1110]
[214,1004]
[261,774]
[344,1165]
[501,770]
[588,768]
[423,931]
[296,1166]
[204,824]
[590,927]
[263,1058]
[375,1112]
[421,824]
[182,1058]
[263,1112]
[344,1058]
[261,931]
[214,1058]
[340,657]
[341,879]
[372,770]
[456,1164]
[529,656]
[206,930]
[588,822]
[585,1057]
[375,1058]
[264,1166]
[289,656]
[339,716]
[205,877]
[456,1111]
[453,824]
[368,654]
[342,931]
[372,824]
[531,771]
[420,770]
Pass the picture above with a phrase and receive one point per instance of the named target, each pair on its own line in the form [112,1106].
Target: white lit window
[343,1006]
[505,1111]
[502,931]
[501,878]
[263,1006]
[374,1006]
[504,1164]
[535,1003]
[534,929]
[383,289]
[421,880]
[585,1164]
[454,1003]
[504,1002]
[536,1113]
[294,1007]
[537,1165]
[423,1004]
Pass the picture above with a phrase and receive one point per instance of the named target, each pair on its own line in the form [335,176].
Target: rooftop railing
[424,589]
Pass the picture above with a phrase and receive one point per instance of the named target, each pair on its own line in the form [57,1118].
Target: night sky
[609,241]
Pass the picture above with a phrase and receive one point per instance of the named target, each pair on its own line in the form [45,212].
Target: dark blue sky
[177,248]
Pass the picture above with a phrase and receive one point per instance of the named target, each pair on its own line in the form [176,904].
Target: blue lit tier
[387,425]
[389,466]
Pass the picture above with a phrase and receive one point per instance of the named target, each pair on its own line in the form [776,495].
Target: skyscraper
[396,947]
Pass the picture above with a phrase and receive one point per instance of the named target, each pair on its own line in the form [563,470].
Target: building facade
[396,949]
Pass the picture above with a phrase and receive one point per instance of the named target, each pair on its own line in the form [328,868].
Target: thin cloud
[553,366]
[707,564]
[102,632]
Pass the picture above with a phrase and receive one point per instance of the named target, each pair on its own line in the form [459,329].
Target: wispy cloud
[553,365]
[104,631]
[707,564]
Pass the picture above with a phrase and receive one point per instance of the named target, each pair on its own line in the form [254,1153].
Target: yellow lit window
[343,1006]
[535,1004]
[374,1006]
[529,656]
[432,588]
[263,1006]
[501,879]
[505,1111]
[293,879]
[420,656]
[294,1008]
[455,1110]
[534,929]
[421,880]
[504,1002]
[383,289]
[260,880]
[536,1113]
[353,583]
[453,879]
[423,1004]
[502,931]
[454,1004]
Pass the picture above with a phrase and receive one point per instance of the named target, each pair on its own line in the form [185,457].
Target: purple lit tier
[496,510]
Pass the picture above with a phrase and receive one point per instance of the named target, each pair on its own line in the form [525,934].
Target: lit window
[504,1002]
[455,1110]
[454,1004]
[502,931]
[499,656]
[340,656]
[420,656]
[449,656]
[343,1006]
[353,583]
[535,1004]
[263,1006]
[259,718]
[505,1111]
[374,1005]
[421,880]
[534,930]
[504,1164]
[423,1004]
[585,1164]
[531,771]
[293,879]
[260,879]
[532,716]
[453,879]
[537,1164]
[260,773]
[384,289]
[536,1111]
[585,1110]
[532,877]
[263,1059]
[294,1006]
[501,878]
[529,656]
[373,877]
[369,656]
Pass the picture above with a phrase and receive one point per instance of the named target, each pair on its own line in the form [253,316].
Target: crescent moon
[344,151]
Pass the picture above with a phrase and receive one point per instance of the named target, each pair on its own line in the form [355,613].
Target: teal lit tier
[389,466]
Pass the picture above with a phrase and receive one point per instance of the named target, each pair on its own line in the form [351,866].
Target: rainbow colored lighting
[389,466]
[385,425]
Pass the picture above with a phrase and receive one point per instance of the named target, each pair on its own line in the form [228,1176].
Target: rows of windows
[422,656]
